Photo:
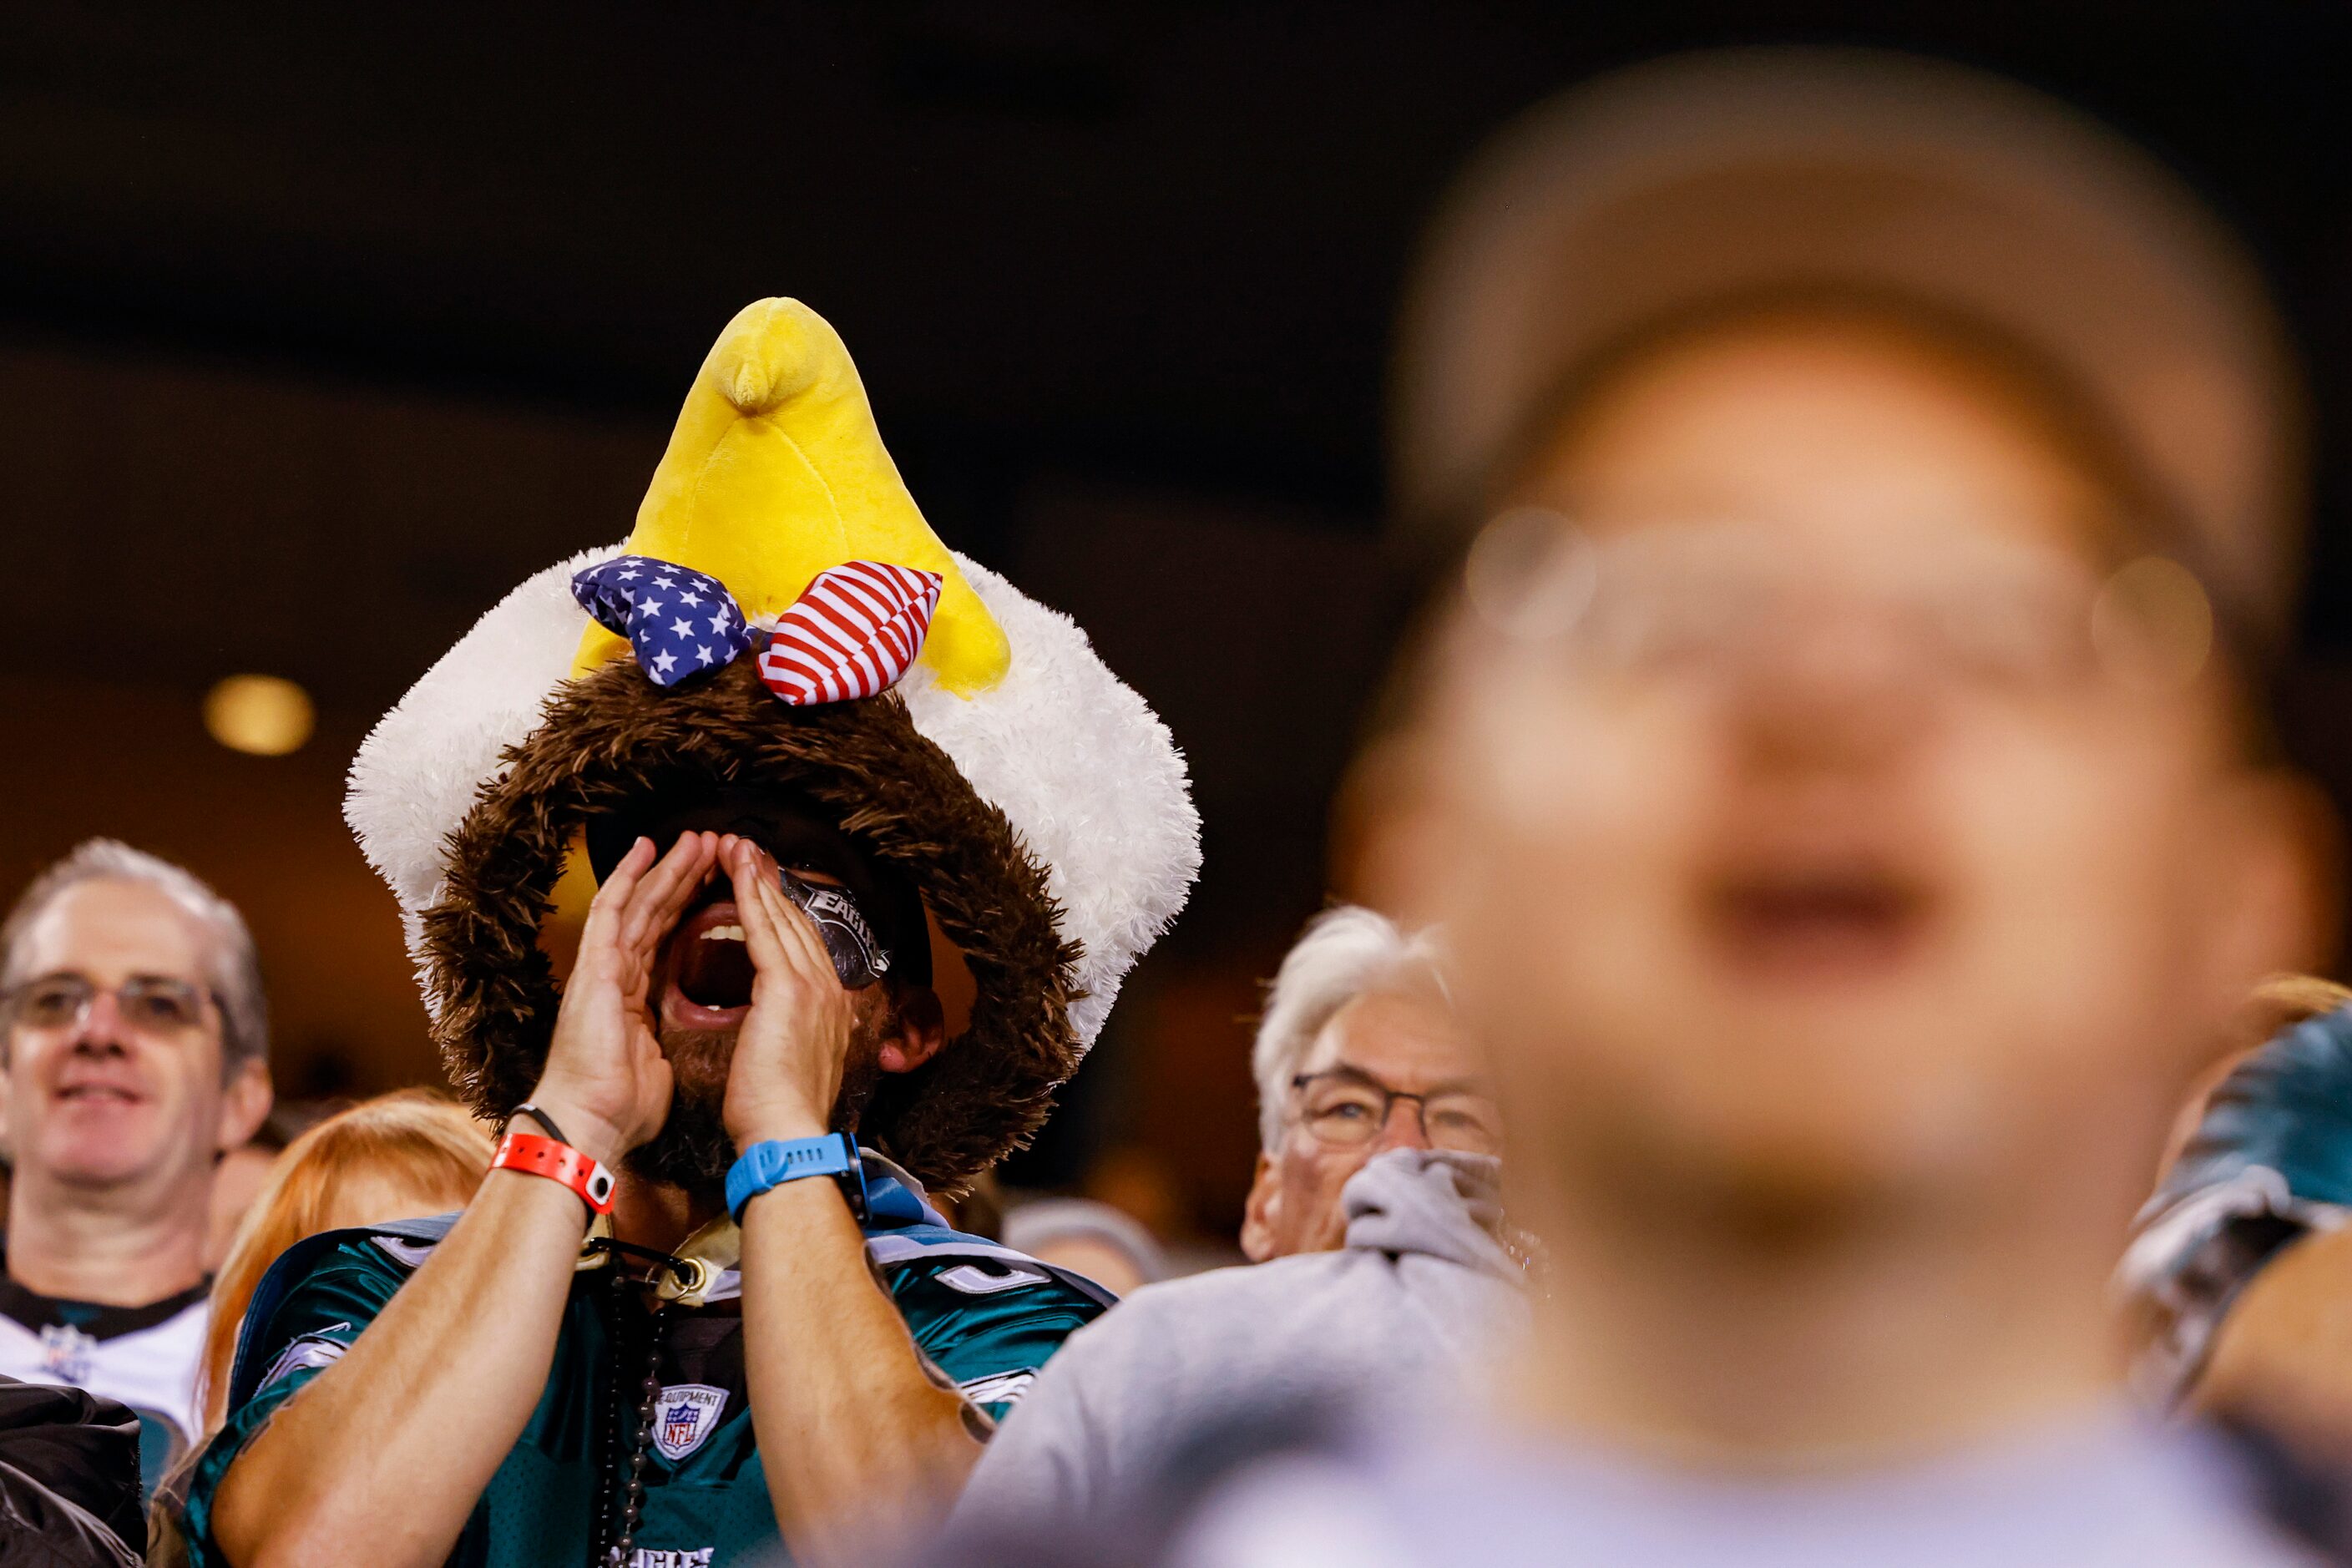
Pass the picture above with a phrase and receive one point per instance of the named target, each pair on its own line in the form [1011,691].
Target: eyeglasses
[1699,602]
[155,1005]
[1346,1109]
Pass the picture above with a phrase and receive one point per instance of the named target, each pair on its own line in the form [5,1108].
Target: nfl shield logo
[65,1353]
[685,1416]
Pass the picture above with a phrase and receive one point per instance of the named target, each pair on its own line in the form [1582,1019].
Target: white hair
[1344,953]
[235,971]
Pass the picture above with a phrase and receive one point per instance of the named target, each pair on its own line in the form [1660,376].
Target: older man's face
[122,1095]
[1399,1041]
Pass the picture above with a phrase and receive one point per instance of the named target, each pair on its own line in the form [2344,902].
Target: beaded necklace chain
[621,1500]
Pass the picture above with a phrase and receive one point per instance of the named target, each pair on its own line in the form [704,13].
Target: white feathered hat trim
[1088,776]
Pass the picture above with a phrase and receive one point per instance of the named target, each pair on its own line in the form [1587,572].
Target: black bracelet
[543,1119]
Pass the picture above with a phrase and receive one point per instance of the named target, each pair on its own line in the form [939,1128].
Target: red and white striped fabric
[854,632]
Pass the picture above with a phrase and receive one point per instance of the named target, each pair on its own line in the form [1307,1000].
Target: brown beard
[692,1150]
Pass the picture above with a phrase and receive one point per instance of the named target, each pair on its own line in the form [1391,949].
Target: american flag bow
[681,621]
[854,632]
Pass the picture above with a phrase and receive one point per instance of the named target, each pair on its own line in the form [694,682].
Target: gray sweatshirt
[1422,1282]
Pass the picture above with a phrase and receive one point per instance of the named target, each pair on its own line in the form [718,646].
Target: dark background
[322,326]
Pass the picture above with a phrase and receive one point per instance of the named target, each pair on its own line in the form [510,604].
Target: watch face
[857,958]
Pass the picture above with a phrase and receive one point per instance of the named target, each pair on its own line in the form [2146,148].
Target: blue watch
[775,1163]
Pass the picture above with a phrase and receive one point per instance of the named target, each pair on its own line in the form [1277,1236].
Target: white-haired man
[136,1054]
[1356,1054]
[1375,1203]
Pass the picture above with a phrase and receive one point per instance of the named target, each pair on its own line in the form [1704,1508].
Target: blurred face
[1379,1046]
[132,1090]
[1821,821]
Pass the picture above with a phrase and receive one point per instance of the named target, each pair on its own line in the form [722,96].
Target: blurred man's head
[1904,789]
[1358,1053]
[137,1033]
[1886,481]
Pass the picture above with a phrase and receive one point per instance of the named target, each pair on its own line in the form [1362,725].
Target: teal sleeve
[317,1316]
[991,1342]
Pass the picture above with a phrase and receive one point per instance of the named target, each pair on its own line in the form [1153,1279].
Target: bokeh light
[263,715]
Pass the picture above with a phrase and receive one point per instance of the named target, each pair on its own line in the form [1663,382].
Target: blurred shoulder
[1289,1286]
[1232,1313]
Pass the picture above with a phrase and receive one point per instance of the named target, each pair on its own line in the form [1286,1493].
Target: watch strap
[770,1164]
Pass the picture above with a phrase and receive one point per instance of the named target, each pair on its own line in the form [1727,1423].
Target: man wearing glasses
[1356,1054]
[1844,786]
[135,1054]
[1373,1215]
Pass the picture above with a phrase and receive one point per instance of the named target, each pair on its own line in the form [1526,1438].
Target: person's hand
[789,1056]
[606,1081]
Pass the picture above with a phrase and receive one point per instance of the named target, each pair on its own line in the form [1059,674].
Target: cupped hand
[789,1054]
[606,1081]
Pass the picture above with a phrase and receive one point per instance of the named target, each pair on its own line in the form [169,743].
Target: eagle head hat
[833,652]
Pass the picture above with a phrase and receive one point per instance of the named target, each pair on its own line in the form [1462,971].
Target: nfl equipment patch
[685,1416]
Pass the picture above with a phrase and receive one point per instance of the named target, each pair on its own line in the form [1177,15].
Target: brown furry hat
[612,737]
[1035,801]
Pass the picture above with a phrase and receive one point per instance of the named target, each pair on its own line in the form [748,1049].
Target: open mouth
[97,1094]
[1819,923]
[710,969]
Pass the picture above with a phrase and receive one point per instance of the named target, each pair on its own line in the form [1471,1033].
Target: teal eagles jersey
[986,1317]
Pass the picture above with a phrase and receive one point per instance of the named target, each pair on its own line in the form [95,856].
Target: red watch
[538,1157]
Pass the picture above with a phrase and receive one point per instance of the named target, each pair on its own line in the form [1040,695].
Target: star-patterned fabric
[681,622]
